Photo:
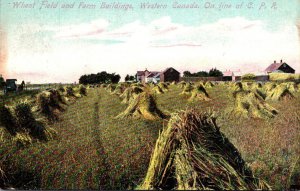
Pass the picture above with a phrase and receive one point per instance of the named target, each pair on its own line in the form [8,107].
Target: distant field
[97,151]
[284,76]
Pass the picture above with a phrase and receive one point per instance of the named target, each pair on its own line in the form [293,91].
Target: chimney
[280,61]
[274,61]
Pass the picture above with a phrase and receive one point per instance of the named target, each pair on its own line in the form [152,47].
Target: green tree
[127,78]
[187,74]
[115,78]
[214,72]
[201,74]
[102,77]
[131,78]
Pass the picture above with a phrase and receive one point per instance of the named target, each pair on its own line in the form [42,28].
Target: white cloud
[86,29]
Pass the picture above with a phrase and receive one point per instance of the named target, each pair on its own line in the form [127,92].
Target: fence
[196,79]
[44,86]
[39,87]
[262,78]
[222,78]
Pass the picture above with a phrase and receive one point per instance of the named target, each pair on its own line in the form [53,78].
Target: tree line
[214,72]
[129,78]
[101,77]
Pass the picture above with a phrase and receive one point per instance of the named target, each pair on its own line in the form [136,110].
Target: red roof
[152,74]
[228,73]
[273,67]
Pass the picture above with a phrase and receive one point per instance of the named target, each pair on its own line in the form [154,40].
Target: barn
[170,75]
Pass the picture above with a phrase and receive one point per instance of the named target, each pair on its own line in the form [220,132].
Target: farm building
[168,75]
[153,77]
[232,75]
[147,76]
[141,75]
[237,75]
[281,67]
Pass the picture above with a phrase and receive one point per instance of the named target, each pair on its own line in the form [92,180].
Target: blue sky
[58,45]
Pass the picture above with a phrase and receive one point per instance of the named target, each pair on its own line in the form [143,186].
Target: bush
[248,77]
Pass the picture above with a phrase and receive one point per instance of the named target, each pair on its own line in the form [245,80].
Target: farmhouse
[141,75]
[168,75]
[153,77]
[281,67]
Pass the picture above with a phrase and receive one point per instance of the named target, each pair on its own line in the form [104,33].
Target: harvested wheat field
[192,154]
[199,93]
[129,136]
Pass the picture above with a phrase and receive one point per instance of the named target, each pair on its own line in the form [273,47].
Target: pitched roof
[150,75]
[157,75]
[232,73]
[140,73]
[273,67]
[238,73]
[227,73]
[153,74]
[169,69]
